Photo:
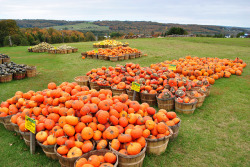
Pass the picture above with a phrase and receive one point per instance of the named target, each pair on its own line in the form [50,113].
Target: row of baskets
[30,72]
[109,46]
[54,51]
[113,58]
[153,146]
[152,99]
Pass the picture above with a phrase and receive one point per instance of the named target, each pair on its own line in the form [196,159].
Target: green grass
[88,26]
[217,134]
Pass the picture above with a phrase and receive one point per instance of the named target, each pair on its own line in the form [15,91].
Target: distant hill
[135,27]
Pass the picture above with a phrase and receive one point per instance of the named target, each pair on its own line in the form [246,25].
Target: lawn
[217,134]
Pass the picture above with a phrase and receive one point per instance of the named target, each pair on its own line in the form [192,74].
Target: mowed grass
[217,134]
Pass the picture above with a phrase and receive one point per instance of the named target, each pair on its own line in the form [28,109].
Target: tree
[176,31]
[8,28]
[89,36]
[240,34]
[115,35]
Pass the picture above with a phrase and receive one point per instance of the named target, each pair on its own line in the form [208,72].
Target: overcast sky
[206,12]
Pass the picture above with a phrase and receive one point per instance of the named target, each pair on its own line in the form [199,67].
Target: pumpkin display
[114,52]
[77,119]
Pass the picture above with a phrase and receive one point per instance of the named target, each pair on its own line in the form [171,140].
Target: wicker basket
[69,51]
[167,104]
[64,51]
[84,54]
[7,123]
[175,130]
[90,56]
[120,58]
[200,99]
[113,59]
[185,108]
[82,80]
[126,57]
[6,60]
[26,137]
[48,150]
[94,85]
[137,55]
[130,160]
[95,56]
[19,75]
[98,153]
[132,56]
[105,57]
[101,57]
[31,71]
[74,50]
[105,87]
[131,94]
[64,161]
[158,146]
[1,60]
[148,98]
[118,92]
[6,78]
[15,127]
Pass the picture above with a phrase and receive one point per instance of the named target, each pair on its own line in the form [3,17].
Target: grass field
[88,26]
[217,134]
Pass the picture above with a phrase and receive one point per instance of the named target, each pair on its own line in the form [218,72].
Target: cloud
[213,12]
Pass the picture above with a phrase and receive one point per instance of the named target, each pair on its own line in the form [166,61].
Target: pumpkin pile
[109,43]
[78,119]
[46,47]
[195,68]
[115,53]
[190,72]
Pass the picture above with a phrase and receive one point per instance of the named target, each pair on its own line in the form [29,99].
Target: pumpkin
[136,133]
[110,157]
[134,148]
[69,130]
[124,138]
[150,124]
[103,116]
[71,120]
[111,132]
[81,162]
[102,144]
[61,140]
[51,140]
[74,152]
[115,144]
[87,146]
[63,150]
[41,136]
[94,160]
[87,133]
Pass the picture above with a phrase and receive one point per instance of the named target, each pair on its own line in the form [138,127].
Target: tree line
[11,34]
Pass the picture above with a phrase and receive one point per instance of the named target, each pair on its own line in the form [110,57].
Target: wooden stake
[32,143]
[134,95]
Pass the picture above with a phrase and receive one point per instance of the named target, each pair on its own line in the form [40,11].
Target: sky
[205,12]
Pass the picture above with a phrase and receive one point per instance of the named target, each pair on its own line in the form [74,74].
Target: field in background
[217,134]
[89,26]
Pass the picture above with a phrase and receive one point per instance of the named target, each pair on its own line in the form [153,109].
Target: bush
[177,31]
